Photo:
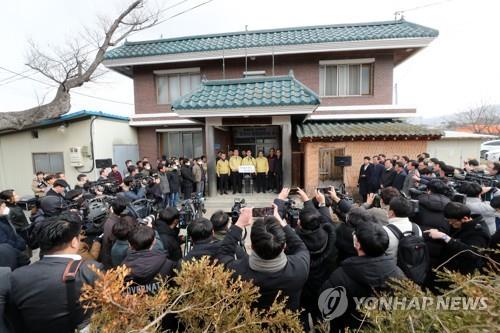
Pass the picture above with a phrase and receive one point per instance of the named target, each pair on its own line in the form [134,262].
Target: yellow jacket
[248,161]
[261,165]
[223,168]
[234,163]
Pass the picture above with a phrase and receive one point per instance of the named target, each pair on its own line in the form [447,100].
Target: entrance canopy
[256,96]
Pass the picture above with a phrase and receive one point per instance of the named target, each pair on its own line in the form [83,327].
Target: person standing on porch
[197,174]
[271,179]
[234,164]
[262,169]
[278,171]
[223,172]
[248,160]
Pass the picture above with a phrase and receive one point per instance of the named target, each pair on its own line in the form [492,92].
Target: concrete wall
[305,67]
[16,162]
[356,149]
[455,151]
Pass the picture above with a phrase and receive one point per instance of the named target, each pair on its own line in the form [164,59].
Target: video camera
[191,209]
[105,186]
[236,209]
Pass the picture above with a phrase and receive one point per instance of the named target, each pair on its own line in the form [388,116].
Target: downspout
[91,145]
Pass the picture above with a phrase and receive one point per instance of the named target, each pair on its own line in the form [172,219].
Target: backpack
[413,254]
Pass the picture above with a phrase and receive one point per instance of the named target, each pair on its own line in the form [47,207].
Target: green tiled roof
[277,37]
[248,92]
[339,130]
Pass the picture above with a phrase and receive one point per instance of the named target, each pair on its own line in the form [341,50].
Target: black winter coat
[9,236]
[399,180]
[17,218]
[472,235]
[290,280]
[344,242]
[170,239]
[376,178]
[323,253]
[364,179]
[146,265]
[173,181]
[431,212]
[387,177]
[431,216]
[360,276]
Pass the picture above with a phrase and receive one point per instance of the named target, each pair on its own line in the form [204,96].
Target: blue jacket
[9,236]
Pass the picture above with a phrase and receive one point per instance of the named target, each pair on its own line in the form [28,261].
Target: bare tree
[483,119]
[71,67]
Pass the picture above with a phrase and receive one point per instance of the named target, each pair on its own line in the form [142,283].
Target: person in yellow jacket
[262,168]
[223,172]
[234,165]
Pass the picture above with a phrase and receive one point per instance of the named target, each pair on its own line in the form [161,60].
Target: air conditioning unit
[75,156]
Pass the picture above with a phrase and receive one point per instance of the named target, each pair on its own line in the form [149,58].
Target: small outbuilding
[74,143]
[334,150]
[455,147]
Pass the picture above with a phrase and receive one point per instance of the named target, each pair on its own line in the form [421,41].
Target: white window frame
[361,61]
[172,72]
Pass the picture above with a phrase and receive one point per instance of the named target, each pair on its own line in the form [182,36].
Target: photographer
[145,262]
[473,191]
[431,206]
[118,206]
[167,227]
[82,181]
[467,233]
[132,189]
[319,235]
[8,234]
[58,189]
[15,213]
[201,231]
[221,223]
[38,185]
[270,268]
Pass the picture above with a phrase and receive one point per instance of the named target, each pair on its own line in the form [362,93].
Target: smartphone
[324,190]
[294,191]
[262,212]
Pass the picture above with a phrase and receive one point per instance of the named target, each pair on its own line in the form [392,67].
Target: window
[183,143]
[170,86]
[48,162]
[343,78]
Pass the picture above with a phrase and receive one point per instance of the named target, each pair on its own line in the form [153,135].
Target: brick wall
[356,149]
[148,142]
[305,67]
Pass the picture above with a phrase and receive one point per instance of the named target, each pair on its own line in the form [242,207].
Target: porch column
[210,123]
[286,147]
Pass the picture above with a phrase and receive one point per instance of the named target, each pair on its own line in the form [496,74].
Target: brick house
[269,88]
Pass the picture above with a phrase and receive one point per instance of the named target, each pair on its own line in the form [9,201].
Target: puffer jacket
[431,212]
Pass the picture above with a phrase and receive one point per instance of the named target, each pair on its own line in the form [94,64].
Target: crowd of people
[408,206]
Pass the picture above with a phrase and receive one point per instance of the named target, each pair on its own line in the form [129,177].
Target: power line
[17,77]
[22,75]
[432,4]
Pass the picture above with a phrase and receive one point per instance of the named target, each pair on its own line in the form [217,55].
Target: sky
[459,69]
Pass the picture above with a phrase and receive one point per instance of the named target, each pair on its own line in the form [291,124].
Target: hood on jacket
[372,271]
[433,202]
[145,265]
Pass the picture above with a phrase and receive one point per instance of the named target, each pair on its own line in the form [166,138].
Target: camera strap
[69,278]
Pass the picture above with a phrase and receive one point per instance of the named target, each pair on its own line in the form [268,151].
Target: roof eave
[123,65]
[247,111]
